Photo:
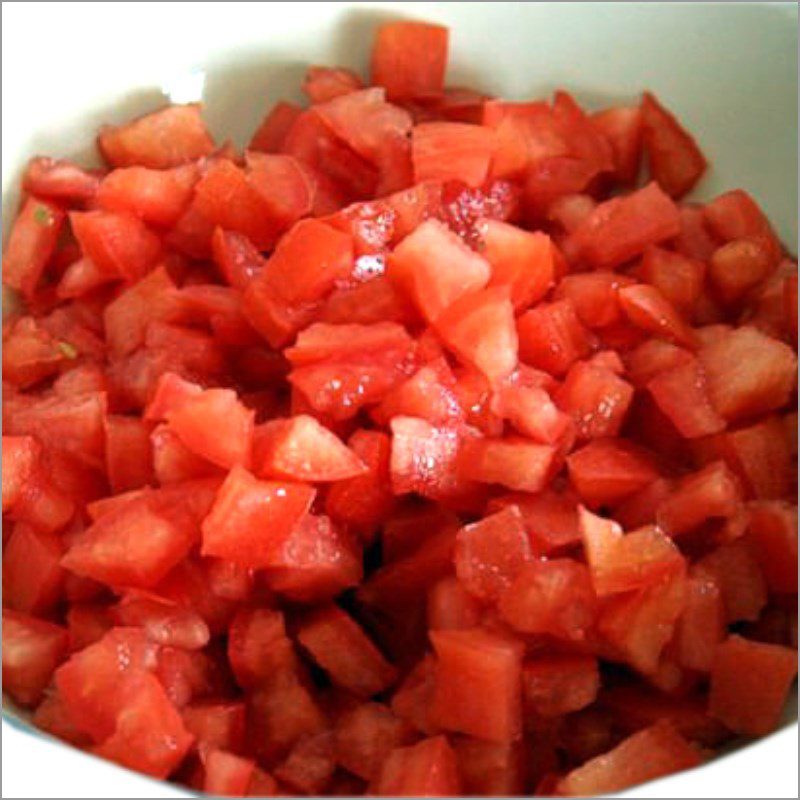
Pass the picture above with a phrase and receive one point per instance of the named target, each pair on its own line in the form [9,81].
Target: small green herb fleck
[42,215]
[67,349]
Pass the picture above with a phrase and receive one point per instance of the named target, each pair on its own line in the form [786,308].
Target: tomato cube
[736,215]
[426,769]
[310,765]
[622,127]
[551,337]
[443,151]
[596,398]
[412,700]
[451,606]
[739,576]
[31,354]
[33,579]
[676,162]
[531,411]
[409,59]
[271,133]
[428,394]
[250,518]
[490,769]
[749,684]
[556,685]
[773,532]
[513,462]
[20,457]
[489,553]
[606,471]
[340,646]
[129,459]
[32,649]
[478,679]
[434,268]
[645,756]
[552,596]
[227,774]
[702,625]
[30,244]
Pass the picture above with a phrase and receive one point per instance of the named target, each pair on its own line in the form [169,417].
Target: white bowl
[728,70]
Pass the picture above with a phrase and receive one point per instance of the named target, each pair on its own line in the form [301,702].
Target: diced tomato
[227,774]
[621,562]
[444,151]
[426,769]
[129,461]
[434,268]
[412,700]
[556,685]
[451,606]
[136,544]
[676,162]
[216,724]
[41,503]
[32,649]
[411,526]
[596,398]
[749,684]
[773,530]
[606,471]
[489,553]
[713,492]
[531,411]
[478,678]
[315,563]
[428,394]
[160,140]
[648,309]
[740,579]
[33,579]
[409,59]
[310,765]
[551,337]
[622,228]
[237,257]
[649,754]
[283,184]
[118,244]
[87,623]
[702,625]
[622,127]
[748,373]
[593,296]
[30,244]
[345,652]
[31,354]
[251,518]
[20,458]
[480,329]
[258,647]
[271,133]
[365,736]
[490,769]
[513,462]
[736,215]
[322,83]
[60,180]
[739,266]
[551,596]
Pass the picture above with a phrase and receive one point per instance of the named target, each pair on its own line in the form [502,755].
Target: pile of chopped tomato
[419,449]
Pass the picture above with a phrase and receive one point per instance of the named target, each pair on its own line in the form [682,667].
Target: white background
[82,53]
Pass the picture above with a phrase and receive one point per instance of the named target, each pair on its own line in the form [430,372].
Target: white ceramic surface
[728,70]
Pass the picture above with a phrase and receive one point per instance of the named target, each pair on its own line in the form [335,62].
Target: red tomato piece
[160,140]
[32,649]
[411,526]
[489,553]
[301,449]
[748,373]
[258,647]
[451,606]
[531,411]
[702,625]
[426,769]
[622,127]
[216,725]
[749,684]
[739,266]
[322,83]
[556,685]
[129,459]
[513,462]
[435,268]
[649,310]
[551,597]
[237,257]
[60,180]
[594,296]
[149,735]
[310,765]
[250,518]
[740,579]
[283,184]
[216,426]
[340,646]
[551,337]
[172,392]
[490,769]
[33,579]
[118,244]
[20,458]
[136,544]
[409,59]
[443,151]
[677,277]
[736,215]
[596,398]
[622,562]
[31,354]
[412,700]
[30,244]
[315,563]
[271,132]
[676,161]
[480,329]
[478,680]
[227,774]
[524,261]
[773,530]
[713,492]
[365,736]
[606,471]
[622,228]
[645,756]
